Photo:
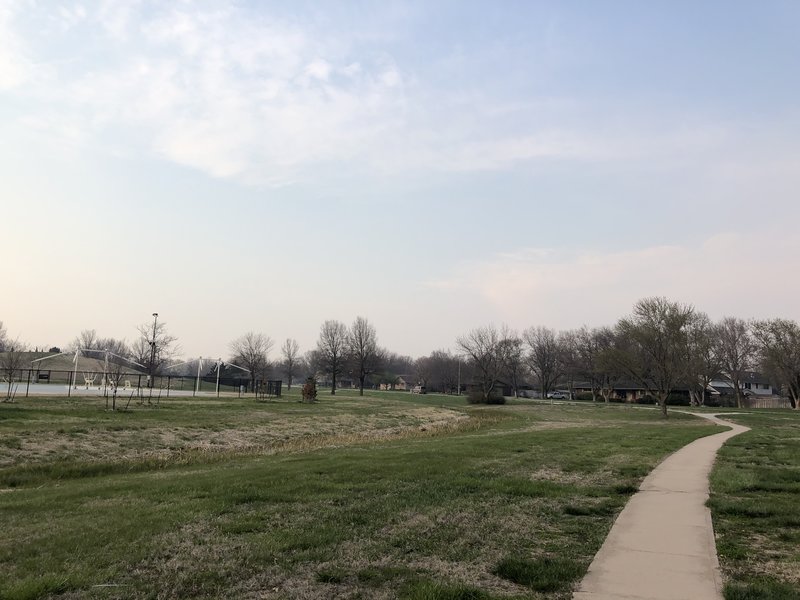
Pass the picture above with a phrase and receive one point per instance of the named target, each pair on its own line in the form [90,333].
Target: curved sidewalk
[661,546]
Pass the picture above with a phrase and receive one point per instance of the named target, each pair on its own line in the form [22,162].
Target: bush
[678,400]
[310,390]
[476,397]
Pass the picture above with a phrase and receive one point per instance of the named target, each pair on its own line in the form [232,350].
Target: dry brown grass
[279,434]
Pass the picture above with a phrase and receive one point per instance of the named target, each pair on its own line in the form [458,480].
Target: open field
[755,504]
[389,496]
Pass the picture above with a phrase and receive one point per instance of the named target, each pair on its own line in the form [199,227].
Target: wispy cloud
[15,65]
[729,273]
[244,95]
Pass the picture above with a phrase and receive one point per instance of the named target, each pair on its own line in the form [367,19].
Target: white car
[558,395]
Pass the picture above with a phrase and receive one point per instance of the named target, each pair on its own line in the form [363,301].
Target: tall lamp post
[153,352]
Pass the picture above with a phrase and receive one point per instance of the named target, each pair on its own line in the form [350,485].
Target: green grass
[351,497]
[755,504]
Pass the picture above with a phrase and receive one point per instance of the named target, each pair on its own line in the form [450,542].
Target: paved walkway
[661,546]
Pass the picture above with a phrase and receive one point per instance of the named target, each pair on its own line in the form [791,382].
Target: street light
[153,352]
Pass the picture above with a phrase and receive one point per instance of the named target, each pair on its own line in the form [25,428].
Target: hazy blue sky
[432,166]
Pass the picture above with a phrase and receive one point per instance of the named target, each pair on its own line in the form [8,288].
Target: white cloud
[319,69]
[15,66]
[239,94]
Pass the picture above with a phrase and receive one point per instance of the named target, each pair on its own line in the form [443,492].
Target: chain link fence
[42,382]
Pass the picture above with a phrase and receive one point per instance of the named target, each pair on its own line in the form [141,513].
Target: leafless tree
[482,348]
[545,356]
[737,349]
[654,336]
[114,346]
[512,357]
[587,348]
[609,348]
[778,343]
[331,353]
[365,355]
[3,337]
[570,359]
[439,372]
[85,340]
[155,348]
[12,360]
[251,351]
[290,350]
[652,343]
[397,364]
[702,359]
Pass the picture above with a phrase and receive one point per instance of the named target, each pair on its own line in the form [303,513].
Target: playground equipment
[89,378]
[218,364]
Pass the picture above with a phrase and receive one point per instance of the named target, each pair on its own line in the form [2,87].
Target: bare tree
[12,360]
[737,349]
[654,352]
[778,343]
[545,356]
[114,346]
[702,358]
[482,347]
[512,359]
[85,340]
[251,351]
[609,348]
[154,348]
[365,355]
[290,350]
[331,353]
[570,359]
[439,372]
[587,349]
[3,337]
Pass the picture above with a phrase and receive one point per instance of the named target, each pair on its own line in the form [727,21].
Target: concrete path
[661,546]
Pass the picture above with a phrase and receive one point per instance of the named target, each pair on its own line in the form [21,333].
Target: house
[753,384]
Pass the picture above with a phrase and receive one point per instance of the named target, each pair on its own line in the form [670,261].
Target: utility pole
[458,390]
[153,352]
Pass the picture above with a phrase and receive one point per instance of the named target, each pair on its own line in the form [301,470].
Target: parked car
[557,395]
[419,389]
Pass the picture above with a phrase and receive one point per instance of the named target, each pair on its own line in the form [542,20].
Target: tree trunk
[361,385]
[333,385]
[662,401]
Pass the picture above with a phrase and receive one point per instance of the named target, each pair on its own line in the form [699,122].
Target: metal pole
[458,391]
[75,376]
[197,384]
[28,386]
[105,376]
[153,352]
[69,386]
[219,366]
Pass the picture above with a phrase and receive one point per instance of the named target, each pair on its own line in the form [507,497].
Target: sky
[431,166]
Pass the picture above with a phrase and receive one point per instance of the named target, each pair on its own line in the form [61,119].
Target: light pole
[153,352]
[458,389]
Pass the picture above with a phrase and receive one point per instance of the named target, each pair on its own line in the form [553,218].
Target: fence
[767,402]
[26,382]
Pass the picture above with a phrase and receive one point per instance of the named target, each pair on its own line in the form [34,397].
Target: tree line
[661,346]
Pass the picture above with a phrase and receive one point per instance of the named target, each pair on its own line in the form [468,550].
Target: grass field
[755,504]
[386,496]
